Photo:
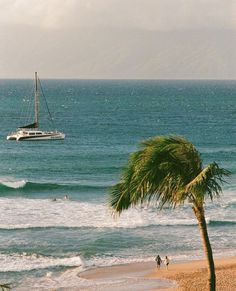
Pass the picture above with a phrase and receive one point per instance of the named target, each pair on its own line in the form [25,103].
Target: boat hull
[48,137]
[35,136]
[11,137]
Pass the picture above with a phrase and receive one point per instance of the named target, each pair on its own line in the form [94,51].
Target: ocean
[41,240]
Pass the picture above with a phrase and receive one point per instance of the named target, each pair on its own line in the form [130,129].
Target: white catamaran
[31,131]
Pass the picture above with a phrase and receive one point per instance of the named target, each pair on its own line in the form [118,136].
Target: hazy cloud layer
[118,38]
[145,14]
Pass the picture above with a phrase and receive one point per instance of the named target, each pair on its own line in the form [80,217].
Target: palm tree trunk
[199,212]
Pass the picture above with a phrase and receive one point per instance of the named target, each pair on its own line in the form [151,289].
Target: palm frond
[5,287]
[208,182]
[166,169]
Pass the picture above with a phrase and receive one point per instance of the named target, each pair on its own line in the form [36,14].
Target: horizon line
[126,79]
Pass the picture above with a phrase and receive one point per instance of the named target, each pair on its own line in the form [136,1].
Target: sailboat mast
[36,101]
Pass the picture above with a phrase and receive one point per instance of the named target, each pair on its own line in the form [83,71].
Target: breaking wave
[222,222]
[211,223]
[22,213]
[18,262]
[11,184]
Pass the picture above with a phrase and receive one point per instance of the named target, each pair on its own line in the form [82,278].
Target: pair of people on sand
[158,260]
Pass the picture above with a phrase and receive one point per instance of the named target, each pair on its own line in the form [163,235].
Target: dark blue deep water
[104,121]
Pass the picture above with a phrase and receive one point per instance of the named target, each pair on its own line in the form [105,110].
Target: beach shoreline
[191,275]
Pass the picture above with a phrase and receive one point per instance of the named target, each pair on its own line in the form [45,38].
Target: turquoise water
[104,121]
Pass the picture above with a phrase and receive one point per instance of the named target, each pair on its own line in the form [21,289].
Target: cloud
[118,38]
[125,14]
[35,13]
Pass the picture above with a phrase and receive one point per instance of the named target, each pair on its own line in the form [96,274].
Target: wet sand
[180,276]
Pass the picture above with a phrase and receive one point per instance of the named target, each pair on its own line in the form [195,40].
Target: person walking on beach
[159,261]
[166,262]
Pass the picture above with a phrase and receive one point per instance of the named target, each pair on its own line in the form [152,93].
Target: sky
[118,39]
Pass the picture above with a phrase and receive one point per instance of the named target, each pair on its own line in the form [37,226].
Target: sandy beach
[180,276]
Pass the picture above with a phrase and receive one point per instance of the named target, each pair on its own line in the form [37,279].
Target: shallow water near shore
[74,279]
[104,121]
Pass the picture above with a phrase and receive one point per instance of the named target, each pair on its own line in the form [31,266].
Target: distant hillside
[118,54]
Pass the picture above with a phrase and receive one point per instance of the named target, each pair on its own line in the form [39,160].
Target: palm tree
[169,171]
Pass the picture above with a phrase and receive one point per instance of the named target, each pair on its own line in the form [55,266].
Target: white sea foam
[12,182]
[18,262]
[71,280]
[218,149]
[28,213]
[24,262]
